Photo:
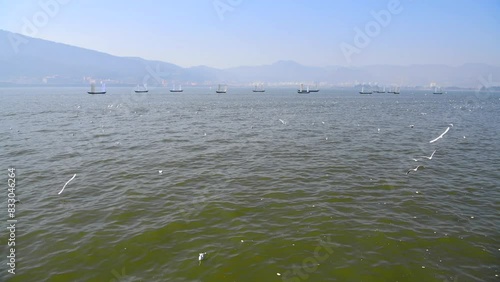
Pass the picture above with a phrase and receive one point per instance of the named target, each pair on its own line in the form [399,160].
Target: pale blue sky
[256,32]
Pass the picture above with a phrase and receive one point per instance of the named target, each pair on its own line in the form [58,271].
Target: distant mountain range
[26,60]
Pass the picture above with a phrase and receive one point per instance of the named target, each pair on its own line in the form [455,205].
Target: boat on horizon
[221,88]
[378,91]
[301,90]
[364,92]
[92,89]
[394,90]
[176,90]
[437,91]
[141,90]
[316,89]
[259,88]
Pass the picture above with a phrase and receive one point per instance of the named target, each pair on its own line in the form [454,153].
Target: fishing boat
[259,88]
[176,90]
[301,90]
[221,89]
[315,89]
[92,89]
[380,91]
[364,92]
[141,90]
[437,91]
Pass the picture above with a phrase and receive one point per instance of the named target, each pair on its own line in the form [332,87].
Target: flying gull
[414,169]
[440,136]
[430,158]
[420,158]
[66,184]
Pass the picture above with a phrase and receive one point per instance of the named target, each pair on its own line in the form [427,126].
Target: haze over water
[310,187]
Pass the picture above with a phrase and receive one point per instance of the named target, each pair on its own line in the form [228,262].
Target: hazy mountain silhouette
[26,60]
[37,58]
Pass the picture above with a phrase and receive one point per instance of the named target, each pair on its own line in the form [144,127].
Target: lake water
[273,186]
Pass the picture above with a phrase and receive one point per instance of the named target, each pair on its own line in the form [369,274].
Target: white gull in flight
[430,158]
[66,184]
[440,136]
[414,169]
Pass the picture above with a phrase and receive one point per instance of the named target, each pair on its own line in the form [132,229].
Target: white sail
[103,87]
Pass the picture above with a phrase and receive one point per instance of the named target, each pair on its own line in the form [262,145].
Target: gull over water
[415,169]
[440,136]
[66,184]
[201,257]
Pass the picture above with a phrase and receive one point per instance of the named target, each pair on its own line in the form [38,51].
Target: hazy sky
[226,33]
